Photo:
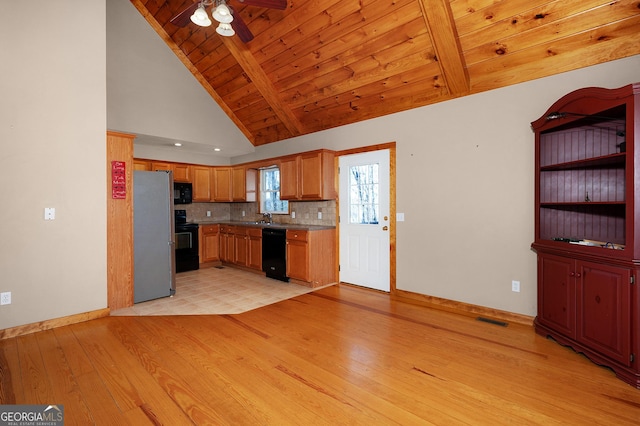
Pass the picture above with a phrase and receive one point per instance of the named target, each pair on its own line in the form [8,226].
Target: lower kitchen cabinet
[587,305]
[227,243]
[209,243]
[240,246]
[311,256]
[254,248]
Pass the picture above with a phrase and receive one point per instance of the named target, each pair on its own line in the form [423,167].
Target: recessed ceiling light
[177,144]
[216,149]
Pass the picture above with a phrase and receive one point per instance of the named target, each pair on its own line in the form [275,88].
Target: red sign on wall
[118,180]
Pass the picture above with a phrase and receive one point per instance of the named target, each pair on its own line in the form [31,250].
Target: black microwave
[182,193]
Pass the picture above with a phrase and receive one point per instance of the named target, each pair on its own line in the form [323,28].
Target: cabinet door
[289,178]
[255,252]
[556,293]
[604,310]
[142,165]
[298,255]
[240,253]
[181,172]
[222,183]
[239,185]
[201,189]
[226,244]
[156,166]
[210,244]
[310,176]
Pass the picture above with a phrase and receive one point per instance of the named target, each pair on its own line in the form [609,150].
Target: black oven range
[186,243]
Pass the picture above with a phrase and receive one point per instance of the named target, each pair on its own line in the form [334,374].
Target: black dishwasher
[274,256]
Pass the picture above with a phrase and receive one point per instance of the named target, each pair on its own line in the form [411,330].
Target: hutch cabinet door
[556,293]
[604,310]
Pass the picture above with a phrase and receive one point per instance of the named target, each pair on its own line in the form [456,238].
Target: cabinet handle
[578,275]
[572,274]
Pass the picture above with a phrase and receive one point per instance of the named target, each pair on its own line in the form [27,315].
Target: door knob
[384,228]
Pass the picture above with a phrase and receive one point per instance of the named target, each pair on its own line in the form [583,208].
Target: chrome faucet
[266,218]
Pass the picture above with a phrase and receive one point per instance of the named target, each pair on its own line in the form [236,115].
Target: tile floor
[211,290]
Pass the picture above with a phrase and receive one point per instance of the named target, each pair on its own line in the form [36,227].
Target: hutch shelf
[587,229]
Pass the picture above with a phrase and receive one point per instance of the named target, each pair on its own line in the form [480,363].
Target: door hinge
[338,268]
[632,358]
[632,279]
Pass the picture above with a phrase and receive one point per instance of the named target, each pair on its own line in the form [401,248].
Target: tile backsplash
[306,212]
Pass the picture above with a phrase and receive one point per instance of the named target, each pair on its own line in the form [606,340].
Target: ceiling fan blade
[271,4]
[184,17]
[241,29]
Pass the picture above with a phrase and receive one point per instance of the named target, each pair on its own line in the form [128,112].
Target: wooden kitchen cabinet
[142,165]
[241,246]
[254,249]
[587,186]
[221,184]
[308,176]
[157,166]
[311,256]
[181,172]
[238,184]
[227,243]
[201,184]
[209,243]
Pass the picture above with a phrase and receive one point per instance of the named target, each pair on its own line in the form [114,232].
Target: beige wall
[52,135]
[465,184]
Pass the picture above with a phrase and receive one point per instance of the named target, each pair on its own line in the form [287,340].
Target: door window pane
[363,194]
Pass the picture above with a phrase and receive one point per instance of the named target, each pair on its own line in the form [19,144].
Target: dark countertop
[298,226]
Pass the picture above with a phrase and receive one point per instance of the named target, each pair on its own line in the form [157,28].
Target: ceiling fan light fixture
[225,30]
[222,14]
[200,17]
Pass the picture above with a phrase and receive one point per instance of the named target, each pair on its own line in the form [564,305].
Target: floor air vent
[219,267]
[492,321]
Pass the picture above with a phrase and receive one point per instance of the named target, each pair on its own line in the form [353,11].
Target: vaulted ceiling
[319,64]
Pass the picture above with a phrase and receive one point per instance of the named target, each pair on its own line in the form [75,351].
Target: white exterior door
[364,219]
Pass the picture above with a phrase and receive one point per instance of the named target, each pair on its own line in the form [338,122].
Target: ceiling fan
[229,23]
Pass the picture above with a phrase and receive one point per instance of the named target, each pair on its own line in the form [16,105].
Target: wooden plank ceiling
[321,64]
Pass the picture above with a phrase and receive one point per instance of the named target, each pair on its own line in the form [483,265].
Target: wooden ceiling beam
[442,29]
[262,83]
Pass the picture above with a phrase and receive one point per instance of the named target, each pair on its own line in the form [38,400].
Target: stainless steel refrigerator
[154,274]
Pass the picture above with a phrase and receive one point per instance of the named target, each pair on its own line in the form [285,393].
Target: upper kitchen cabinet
[231,184]
[201,184]
[220,178]
[308,176]
[587,229]
[181,172]
[244,184]
[142,165]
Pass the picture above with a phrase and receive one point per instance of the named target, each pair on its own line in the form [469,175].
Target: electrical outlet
[293,215]
[5,298]
[319,215]
[515,286]
[208,213]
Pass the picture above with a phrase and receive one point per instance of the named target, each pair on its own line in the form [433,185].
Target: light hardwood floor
[339,355]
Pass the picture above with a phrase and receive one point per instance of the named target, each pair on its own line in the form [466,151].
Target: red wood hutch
[587,230]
